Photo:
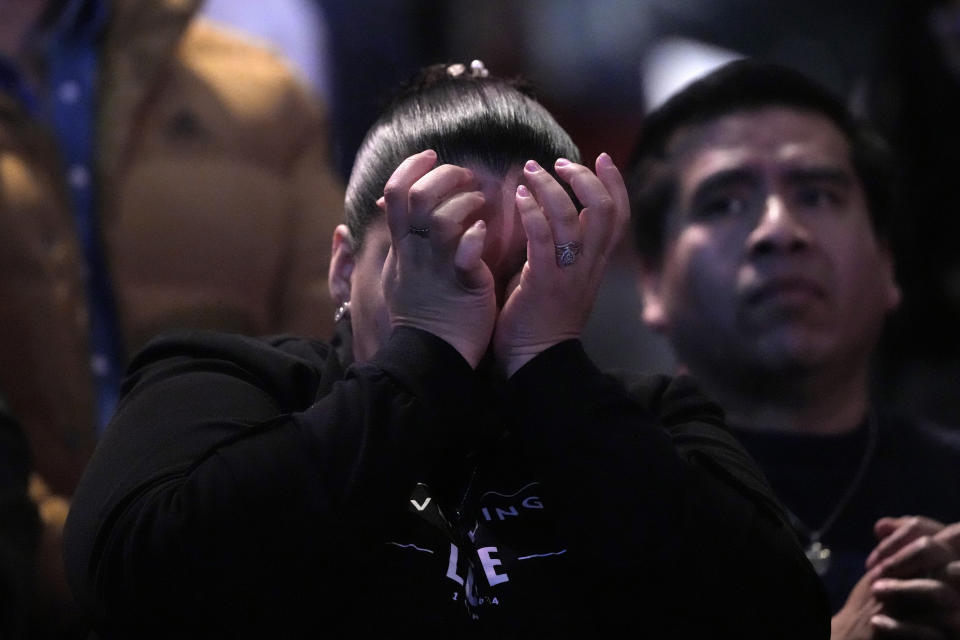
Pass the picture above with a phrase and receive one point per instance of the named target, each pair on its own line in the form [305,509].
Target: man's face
[504,253]
[770,261]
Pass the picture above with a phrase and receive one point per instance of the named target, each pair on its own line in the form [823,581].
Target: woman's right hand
[434,278]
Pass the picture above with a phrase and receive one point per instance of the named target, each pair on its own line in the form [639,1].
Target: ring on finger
[567,253]
[423,232]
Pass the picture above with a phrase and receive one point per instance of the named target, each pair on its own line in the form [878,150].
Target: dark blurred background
[599,64]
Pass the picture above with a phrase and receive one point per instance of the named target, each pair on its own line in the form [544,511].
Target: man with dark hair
[760,209]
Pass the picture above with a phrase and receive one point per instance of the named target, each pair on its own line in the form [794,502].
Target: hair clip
[477,69]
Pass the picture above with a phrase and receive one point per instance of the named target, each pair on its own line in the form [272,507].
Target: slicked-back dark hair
[738,86]
[467,119]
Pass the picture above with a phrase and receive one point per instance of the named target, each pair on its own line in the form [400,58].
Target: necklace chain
[817,553]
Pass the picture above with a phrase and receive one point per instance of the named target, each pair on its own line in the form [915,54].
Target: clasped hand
[912,585]
[435,277]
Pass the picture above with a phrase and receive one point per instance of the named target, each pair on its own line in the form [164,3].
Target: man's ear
[892,290]
[342,260]
[649,288]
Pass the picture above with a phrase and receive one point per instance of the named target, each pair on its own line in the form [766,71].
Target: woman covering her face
[452,465]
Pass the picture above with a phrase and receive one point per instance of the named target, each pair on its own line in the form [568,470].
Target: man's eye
[720,206]
[817,197]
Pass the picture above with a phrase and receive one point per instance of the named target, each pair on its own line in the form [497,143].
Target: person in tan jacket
[202,197]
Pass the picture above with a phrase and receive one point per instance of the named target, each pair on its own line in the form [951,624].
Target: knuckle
[418,196]
[452,168]
[393,189]
[542,235]
[583,181]
[606,205]
[924,543]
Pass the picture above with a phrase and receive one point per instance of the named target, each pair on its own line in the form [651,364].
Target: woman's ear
[342,260]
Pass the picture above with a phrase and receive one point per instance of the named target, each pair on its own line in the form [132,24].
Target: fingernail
[532,166]
[430,152]
[881,585]
[522,191]
[561,162]
[604,160]
[381,202]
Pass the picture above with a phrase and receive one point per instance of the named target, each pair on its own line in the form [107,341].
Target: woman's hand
[567,253]
[434,278]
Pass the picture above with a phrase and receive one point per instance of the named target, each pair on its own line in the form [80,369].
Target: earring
[343,311]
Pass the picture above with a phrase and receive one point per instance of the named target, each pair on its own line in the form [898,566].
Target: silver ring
[423,232]
[567,253]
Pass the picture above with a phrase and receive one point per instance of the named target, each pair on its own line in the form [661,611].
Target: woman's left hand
[567,253]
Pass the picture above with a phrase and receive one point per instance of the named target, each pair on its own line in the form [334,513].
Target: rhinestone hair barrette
[477,69]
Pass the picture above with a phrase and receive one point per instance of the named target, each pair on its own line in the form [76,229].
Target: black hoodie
[258,488]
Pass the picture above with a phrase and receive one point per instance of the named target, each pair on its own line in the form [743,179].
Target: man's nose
[778,229]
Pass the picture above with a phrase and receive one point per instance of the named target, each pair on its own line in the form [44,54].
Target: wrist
[515,359]
[512,365]
[471,350]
